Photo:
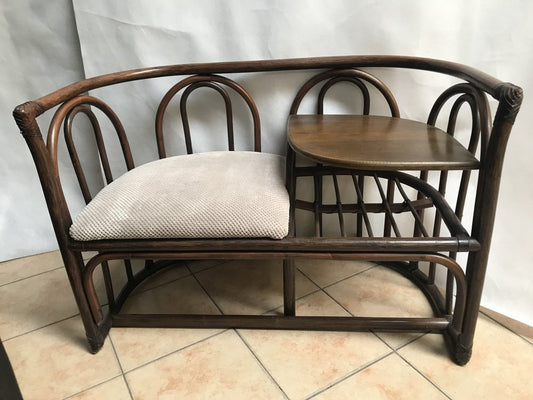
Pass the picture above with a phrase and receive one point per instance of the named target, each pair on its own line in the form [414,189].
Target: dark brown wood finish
[285,322]
[212,81]
[359,79]
[483,81]
[410,145]
[376,143]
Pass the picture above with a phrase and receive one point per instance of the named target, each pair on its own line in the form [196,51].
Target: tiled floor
[44,339]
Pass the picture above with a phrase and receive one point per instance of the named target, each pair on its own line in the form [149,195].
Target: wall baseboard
[516,326]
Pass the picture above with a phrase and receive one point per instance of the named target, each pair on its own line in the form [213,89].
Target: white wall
[491,35]
[40,52]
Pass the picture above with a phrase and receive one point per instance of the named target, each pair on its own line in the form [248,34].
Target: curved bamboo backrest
[353,76]
[65,116]
[214,82]
[73,101]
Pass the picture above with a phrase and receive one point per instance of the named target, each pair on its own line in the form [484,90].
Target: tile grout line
[261,364]
[396,351]
[40,327]
[322,289]
[206,268]
[241,337]
[348,376]
[127,386]
[266,311]
[120,365]
[422,334]
[422,374]
[340,280]
[319,289]
[507,328]
[382,340]
[369,330]
[393,350]
[32,276]
[97,384]
[182,348]
[345,309]
[215,303]
[235,330]
[368,365]
[176,351]
[161,284]
[272,310]
[70,396]
[205,291]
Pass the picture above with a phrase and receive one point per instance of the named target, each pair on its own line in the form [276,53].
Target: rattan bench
[242,205]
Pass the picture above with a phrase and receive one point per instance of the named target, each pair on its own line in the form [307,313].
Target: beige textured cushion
[205,195]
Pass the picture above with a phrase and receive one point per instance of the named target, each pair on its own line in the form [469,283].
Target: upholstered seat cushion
[206,195]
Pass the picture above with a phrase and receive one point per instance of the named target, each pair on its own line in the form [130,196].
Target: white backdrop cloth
[493,36]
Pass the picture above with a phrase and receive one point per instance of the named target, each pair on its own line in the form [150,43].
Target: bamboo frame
[400,253]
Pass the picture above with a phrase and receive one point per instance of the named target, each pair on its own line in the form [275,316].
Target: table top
[376,143]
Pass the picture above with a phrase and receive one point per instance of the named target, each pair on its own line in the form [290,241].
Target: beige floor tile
[391,378]
[182,296]
[20,268]
[176,271]
[398,339]
[382,292]
[500,367]
[221,367]
[138,346]
[316,304]
[115,389]
[520,328]
[35,302]
[119,277]
[303,362]
[54,362]
[326,272]
[89,254]
[200,265]
[250,287]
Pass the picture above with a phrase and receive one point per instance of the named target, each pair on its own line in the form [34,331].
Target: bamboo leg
[74,265]
[289,295]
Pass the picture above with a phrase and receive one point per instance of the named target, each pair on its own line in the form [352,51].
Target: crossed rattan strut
[336,149]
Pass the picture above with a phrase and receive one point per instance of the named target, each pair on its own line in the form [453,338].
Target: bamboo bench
[242,205]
